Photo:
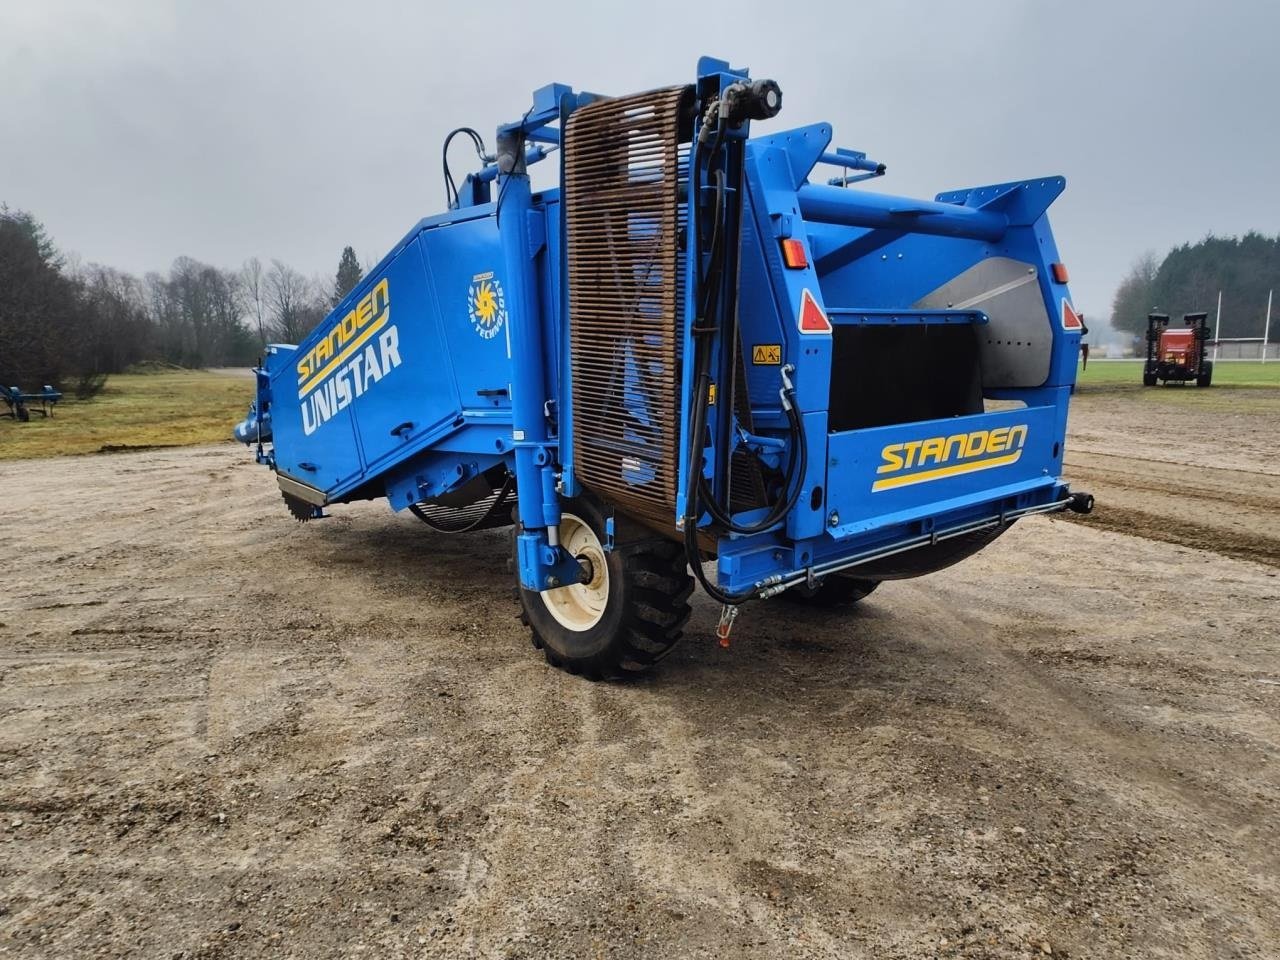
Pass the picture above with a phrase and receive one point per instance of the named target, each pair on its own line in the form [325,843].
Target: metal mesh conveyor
[623,173]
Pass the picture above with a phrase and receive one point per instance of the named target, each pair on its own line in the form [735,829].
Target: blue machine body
[452,358]
[404,367]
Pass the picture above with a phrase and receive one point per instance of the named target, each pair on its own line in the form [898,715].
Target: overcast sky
[139,131]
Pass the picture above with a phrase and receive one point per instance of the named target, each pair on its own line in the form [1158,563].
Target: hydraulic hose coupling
[728,614]
[788,389]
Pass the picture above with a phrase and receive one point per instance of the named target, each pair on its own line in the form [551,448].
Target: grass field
[173,408]
[1244,373]
[177,408]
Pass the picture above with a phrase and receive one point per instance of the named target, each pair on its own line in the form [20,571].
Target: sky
[141,131]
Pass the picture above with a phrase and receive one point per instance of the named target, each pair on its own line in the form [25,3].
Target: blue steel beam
[856,208]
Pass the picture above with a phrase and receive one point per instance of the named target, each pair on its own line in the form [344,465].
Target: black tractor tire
[22,415]
[1205,377]
[642,599]
[1148,379]
[833,591]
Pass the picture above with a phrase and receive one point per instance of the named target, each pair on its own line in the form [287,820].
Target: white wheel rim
[580,606]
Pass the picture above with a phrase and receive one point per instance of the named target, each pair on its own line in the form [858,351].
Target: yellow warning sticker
[766,354]
[711,395]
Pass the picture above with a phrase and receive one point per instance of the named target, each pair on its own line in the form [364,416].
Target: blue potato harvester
[701,345]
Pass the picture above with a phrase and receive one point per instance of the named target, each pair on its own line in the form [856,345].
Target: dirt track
[1185,466]
[224,735]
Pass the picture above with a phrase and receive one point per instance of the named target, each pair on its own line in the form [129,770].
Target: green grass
[1245,373]
[173,408]
[177,408]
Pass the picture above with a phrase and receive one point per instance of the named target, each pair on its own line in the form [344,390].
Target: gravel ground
[223,734]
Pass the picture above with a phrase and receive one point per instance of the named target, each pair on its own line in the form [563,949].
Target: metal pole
[539,514]
[856,208]
[1266,329]
[1217,329]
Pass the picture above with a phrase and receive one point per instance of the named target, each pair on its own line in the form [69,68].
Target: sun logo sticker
[486,305]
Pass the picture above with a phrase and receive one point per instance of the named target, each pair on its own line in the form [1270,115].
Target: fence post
[1217,329]
[1266,329]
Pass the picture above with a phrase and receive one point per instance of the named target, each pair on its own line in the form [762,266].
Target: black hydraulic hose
[694,556]
[714,592]
[798,466]
[450,188]
[692,498]
[702,384]
[723,517]
[698,494]
[708,289]
[710,283]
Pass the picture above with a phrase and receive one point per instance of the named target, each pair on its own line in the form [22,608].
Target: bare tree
[253,294]
[198,312]
[1133,298]
[226,313]
[288,296]
[117,330]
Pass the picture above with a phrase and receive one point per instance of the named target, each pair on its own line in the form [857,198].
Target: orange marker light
[793,254]
[1060,272]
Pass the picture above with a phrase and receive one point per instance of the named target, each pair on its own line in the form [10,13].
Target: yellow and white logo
[919,461]
[349,360]
[486,305]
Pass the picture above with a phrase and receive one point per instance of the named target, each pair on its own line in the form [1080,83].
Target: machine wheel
[833,591]
[1148,379]
[1205,378]
[22,415]
[627,618]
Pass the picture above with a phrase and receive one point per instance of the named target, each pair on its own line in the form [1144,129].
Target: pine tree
[1188,279]
[349,274]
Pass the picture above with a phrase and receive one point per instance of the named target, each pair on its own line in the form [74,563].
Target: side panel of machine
[323,462]
[368,382]
[465,263]
[886,472]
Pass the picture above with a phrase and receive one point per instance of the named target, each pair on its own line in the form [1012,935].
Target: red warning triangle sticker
[812,319]
[1069,319]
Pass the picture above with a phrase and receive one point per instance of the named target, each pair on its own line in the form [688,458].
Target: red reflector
[812,319]
[1060,272]
[793,254]
[1070,321]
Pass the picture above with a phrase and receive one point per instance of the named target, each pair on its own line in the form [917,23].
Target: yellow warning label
[769,354]
[711,395]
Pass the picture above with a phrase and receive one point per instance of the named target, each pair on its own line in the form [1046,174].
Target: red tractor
[1177,355]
